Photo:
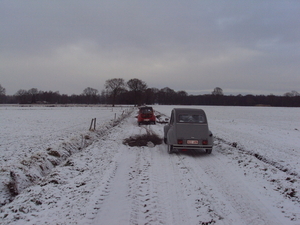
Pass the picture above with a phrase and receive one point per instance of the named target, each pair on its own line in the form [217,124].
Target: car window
[146,110]
[191,118]
[172,118]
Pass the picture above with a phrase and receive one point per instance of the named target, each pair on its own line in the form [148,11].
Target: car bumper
[146,122]
[204,147]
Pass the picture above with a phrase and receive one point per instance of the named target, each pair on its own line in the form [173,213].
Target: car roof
[188,110]
[142,109]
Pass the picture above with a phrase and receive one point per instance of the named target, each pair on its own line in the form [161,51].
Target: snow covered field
[59,172]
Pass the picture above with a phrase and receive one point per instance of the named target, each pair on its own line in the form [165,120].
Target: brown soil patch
[143,140]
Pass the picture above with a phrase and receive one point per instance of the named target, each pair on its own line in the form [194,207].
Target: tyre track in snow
[285,186]
[171,196]
[285,180]
[103,176]
[143,198]
[262,158]
[226,193]
[196,196]
[145,189]
[176,195]
[139,189]
[149,186]
[267,176]
[140,186]
[117,189]
[176,189]
[131,199]
[102,190]
[184,202]
[162,196]
[160,184]
[144,208]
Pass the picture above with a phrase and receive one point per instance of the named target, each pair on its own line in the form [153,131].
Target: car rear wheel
[170,149]
[208,151]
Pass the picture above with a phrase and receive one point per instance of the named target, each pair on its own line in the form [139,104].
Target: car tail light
[179,141]
[204,142]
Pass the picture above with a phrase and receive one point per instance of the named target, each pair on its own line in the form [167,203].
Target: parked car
[146,116]
[188,129]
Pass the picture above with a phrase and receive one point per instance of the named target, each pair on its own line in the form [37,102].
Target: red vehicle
[146,116]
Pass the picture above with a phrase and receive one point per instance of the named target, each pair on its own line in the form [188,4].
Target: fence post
[93,122]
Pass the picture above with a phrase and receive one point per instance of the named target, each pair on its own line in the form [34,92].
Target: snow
[66,174]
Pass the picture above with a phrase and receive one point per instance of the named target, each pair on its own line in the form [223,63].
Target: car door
[167,127]
[171,129]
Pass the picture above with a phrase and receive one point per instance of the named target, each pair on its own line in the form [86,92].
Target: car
[188,129]
[146,115]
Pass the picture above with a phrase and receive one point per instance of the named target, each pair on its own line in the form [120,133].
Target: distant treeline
[136,92]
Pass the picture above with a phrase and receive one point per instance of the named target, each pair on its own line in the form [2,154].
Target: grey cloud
[188,45]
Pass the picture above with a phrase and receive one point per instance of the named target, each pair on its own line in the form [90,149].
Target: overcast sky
[244,47]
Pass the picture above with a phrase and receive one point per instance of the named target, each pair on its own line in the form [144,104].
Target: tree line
[136,92]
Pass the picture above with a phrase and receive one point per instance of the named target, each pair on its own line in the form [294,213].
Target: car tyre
[170,149]
[208,151]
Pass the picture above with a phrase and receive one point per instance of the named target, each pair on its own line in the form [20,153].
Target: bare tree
[181,97]
[292,94]
[33,93]
[114,87]
[138,87]
[2,90]
[90,91]
[151,96]
[217,91]
[167,96]
[23,96]
[91,95]
[2,94]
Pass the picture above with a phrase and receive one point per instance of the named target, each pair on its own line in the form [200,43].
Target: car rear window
[191,118]
[146,110]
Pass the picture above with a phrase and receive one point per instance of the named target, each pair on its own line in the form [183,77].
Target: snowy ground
[61,173]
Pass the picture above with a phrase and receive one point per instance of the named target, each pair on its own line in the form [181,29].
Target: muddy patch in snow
[149,140]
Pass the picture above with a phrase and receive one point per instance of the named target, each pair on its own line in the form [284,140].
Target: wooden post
[93,122]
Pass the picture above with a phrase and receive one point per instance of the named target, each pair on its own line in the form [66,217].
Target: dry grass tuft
[12,185]
[143,140]
[54,153]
